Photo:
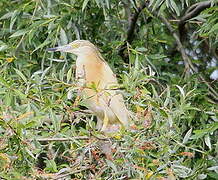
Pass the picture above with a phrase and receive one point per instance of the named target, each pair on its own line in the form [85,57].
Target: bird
[97,86]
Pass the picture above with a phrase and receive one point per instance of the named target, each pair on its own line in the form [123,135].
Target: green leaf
[163,113]
[69,75]
[30,124]
[157,4]
[213,175]
[46,42]
[51,166]
[112,165]
[63,37]
[7,15]
[97,2]
[13,20]
[181,91]
[200,133]
[20,94]
[85,2]
[21,75]
[187,136]
[8,99]
[214,28]
[167,100]
[3,47]
[19,33]
[133,4]
[207,141]
[174,7]
[4,82]
[157,56]
[107,4]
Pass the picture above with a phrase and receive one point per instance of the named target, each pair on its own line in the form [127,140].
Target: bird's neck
[88,58]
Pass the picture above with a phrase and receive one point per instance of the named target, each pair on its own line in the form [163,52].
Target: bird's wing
[114,100]
[119,109]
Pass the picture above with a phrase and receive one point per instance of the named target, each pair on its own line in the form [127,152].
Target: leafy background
[46,134]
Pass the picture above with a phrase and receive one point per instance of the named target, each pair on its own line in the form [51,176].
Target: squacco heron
[96,82]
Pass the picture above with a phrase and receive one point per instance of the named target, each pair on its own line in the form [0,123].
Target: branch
[193,11]
[73,172]
[61,139]
[130,31]
[185,58]
[70,138]
[187,61]
[133,20]
[59,175]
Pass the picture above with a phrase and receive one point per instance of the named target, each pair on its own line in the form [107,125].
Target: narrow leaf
[21,75]
[7,15]
[69,75]
[181,91]
[187,136]
[85,2]
[19,33]
[63,37]
[175,8]
[207,141]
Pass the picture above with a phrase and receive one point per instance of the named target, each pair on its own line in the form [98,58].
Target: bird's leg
[99,124]
[105,121]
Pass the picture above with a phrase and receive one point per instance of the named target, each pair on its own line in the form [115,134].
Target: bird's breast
[89,71]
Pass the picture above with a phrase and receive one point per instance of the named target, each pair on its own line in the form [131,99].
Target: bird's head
[76,47]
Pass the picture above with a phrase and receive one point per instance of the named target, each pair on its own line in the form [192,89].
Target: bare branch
[130,31]
[61,139]
[188,63]
[193,11]
[72,172]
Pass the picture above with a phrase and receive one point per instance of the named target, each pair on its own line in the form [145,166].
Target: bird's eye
[75,45]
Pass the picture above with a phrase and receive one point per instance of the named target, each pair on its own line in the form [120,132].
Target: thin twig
[193,11]
[101,171]
[186,59]
[61,139]
[188,63]
[130,31]
[99,138]
[197,150]
[73,172]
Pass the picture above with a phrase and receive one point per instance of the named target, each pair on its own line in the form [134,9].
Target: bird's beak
[64,48]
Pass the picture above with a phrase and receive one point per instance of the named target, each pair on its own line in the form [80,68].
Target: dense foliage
[45,134]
